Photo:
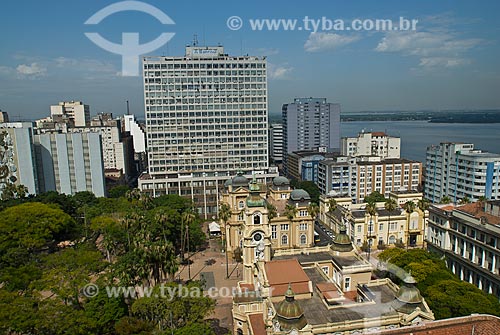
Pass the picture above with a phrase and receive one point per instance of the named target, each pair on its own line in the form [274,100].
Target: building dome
[255,200]
[342,242]
[281,181]
[289,314]
[408,293]
[228,183]
[300,195]
[239,180]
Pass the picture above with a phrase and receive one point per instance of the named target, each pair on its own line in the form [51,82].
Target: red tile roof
[257,324]
[474,324]
[477,210]
[280,273]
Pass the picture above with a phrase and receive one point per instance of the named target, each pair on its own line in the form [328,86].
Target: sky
[451,60]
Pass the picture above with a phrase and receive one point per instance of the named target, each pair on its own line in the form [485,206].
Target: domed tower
[342,242]
[408,297]
[289,314]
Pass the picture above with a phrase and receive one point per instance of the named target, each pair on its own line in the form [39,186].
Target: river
[416,136]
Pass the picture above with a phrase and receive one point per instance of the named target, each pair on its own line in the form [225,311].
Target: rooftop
[281,273]
[477,210]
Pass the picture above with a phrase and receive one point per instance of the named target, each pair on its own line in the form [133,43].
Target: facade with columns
[469,237]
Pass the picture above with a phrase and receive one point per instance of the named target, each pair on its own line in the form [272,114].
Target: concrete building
[337,177]
[469,237]
[303,165]
[384,227]
[70,163]
[385,176]
[276,142]
[458,171]
[74,112]
[371,144]
[17,156]
[311,123]
[137,133]
[206,119]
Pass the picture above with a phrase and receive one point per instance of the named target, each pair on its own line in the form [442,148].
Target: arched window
[303,239]
[256,218]
[392,239]
[241,204]
[239,331]
[284,239]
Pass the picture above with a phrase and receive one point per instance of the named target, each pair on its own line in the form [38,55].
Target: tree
[313,210]
[271,211]
[409,207]
[118,191]
[13,191]
[423,204]
[375,196]
[390,205]
[103,312]
[290,211]
[332,205]
[465,200]
[445,200]
[309,186]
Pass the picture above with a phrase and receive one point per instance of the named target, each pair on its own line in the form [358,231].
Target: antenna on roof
[128,108]
[195,40]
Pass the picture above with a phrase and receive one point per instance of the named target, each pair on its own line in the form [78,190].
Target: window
[393,226]
[347,284]
[380,227]
[241,204]
[303,239]
[303,213]
[370,227]
[359,229]
[392,239]
[325,270]
[283,195]
[303,226]
[256,218]
[284,227]
[240,217]
[274,234]
[284,239]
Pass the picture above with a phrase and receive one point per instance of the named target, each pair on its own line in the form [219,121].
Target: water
[416,136]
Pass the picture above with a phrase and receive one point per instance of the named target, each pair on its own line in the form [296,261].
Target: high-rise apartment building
[70,162]
[311,123]
[458,171]
[75,112]
[206,119]
[371,144]
[276,142]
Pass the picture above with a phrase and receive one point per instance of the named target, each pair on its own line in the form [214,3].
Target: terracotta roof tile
[257,324]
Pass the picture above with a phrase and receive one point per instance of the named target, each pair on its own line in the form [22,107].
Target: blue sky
[452,61]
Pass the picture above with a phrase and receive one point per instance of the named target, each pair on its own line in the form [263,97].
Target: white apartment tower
[74,111]
[276,142]
[206,119]
[371,144]
[459,171]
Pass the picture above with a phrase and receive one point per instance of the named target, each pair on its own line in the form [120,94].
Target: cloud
[33,70]
[438,46]
[432,62]
[278,72]
[327,41]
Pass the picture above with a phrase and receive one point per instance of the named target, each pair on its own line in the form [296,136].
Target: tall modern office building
[206,119]
[311,123]
[458,171]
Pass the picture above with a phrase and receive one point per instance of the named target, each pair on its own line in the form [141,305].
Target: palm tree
[445,200]
[465,200]
[271,211]
[409,207]
[370,209]
[390,205]
[224,216]
[313,210]
[187,219]
[290,211]
[423,205]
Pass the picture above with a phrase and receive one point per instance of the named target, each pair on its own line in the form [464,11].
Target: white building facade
[76,111]
[458,171]
[206,119]
[276,142]
[371,144]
